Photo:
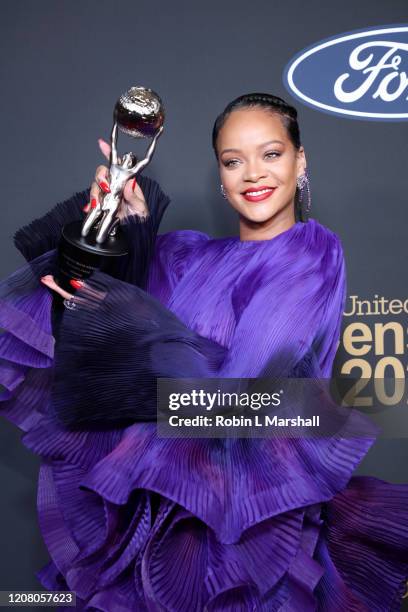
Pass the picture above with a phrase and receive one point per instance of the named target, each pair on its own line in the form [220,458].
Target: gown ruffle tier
[134,522]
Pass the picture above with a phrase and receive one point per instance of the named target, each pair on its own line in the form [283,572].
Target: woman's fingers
[88,293]
[95,192]
[94,195]
[102,178]
[49,281]
[133,200]
[105,148]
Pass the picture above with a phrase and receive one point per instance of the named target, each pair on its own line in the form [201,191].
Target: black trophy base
[79,256]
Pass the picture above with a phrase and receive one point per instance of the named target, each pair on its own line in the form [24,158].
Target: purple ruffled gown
[134,522]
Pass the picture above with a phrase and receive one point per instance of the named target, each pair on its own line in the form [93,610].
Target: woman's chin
[257,215]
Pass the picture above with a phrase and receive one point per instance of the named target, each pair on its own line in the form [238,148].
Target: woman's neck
[252,230]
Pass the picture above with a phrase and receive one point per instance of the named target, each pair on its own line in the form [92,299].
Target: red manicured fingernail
[134,184]
[93,203]
[75,283]
[104,186]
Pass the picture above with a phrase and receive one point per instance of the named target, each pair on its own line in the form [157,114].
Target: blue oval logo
[360,75]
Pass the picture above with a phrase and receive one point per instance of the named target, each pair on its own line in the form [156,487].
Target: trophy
[96,241]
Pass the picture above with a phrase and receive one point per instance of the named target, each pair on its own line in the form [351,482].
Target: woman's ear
[301,161]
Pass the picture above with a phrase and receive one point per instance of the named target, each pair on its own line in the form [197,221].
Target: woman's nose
[254,172]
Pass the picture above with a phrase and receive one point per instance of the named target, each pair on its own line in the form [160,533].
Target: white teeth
[255,193]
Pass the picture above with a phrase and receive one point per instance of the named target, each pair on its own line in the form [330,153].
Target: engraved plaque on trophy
[86,244]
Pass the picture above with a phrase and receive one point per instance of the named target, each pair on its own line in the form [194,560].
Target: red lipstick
[257,194]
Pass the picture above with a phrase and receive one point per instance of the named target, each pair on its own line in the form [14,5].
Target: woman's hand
[133,201]
[49,281]
[88,292]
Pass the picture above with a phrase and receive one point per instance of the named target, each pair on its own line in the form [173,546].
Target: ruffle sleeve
[114,346]
[30,314]
[43,234]
[141,236]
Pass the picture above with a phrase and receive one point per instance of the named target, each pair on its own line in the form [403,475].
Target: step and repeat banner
[363,75]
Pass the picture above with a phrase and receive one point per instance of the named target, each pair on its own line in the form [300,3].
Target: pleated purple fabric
[134,522]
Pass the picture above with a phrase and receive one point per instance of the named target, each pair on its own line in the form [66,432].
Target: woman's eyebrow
[258,147]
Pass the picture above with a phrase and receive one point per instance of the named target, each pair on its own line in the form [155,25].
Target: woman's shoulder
[328,255]
[322,230]
[324,239]
[180,242]
[177,248]
[174,253]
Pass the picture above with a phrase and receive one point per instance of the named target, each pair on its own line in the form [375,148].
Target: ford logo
[361,74]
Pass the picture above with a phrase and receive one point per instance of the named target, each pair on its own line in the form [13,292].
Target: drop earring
[222,189]
[303,185]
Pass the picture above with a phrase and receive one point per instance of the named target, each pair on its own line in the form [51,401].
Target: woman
[137,522]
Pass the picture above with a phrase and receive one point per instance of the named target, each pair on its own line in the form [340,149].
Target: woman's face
[259,165]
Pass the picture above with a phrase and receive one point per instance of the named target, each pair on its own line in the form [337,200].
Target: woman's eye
[272,154]
[234,162]
[230,162]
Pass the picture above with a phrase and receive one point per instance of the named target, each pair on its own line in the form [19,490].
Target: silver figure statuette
[139,112]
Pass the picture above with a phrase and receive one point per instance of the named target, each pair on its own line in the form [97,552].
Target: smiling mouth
[255,195]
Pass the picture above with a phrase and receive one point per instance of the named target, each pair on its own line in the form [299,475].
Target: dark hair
[273,104]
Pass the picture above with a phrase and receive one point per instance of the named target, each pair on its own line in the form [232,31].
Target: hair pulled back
[273,104]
